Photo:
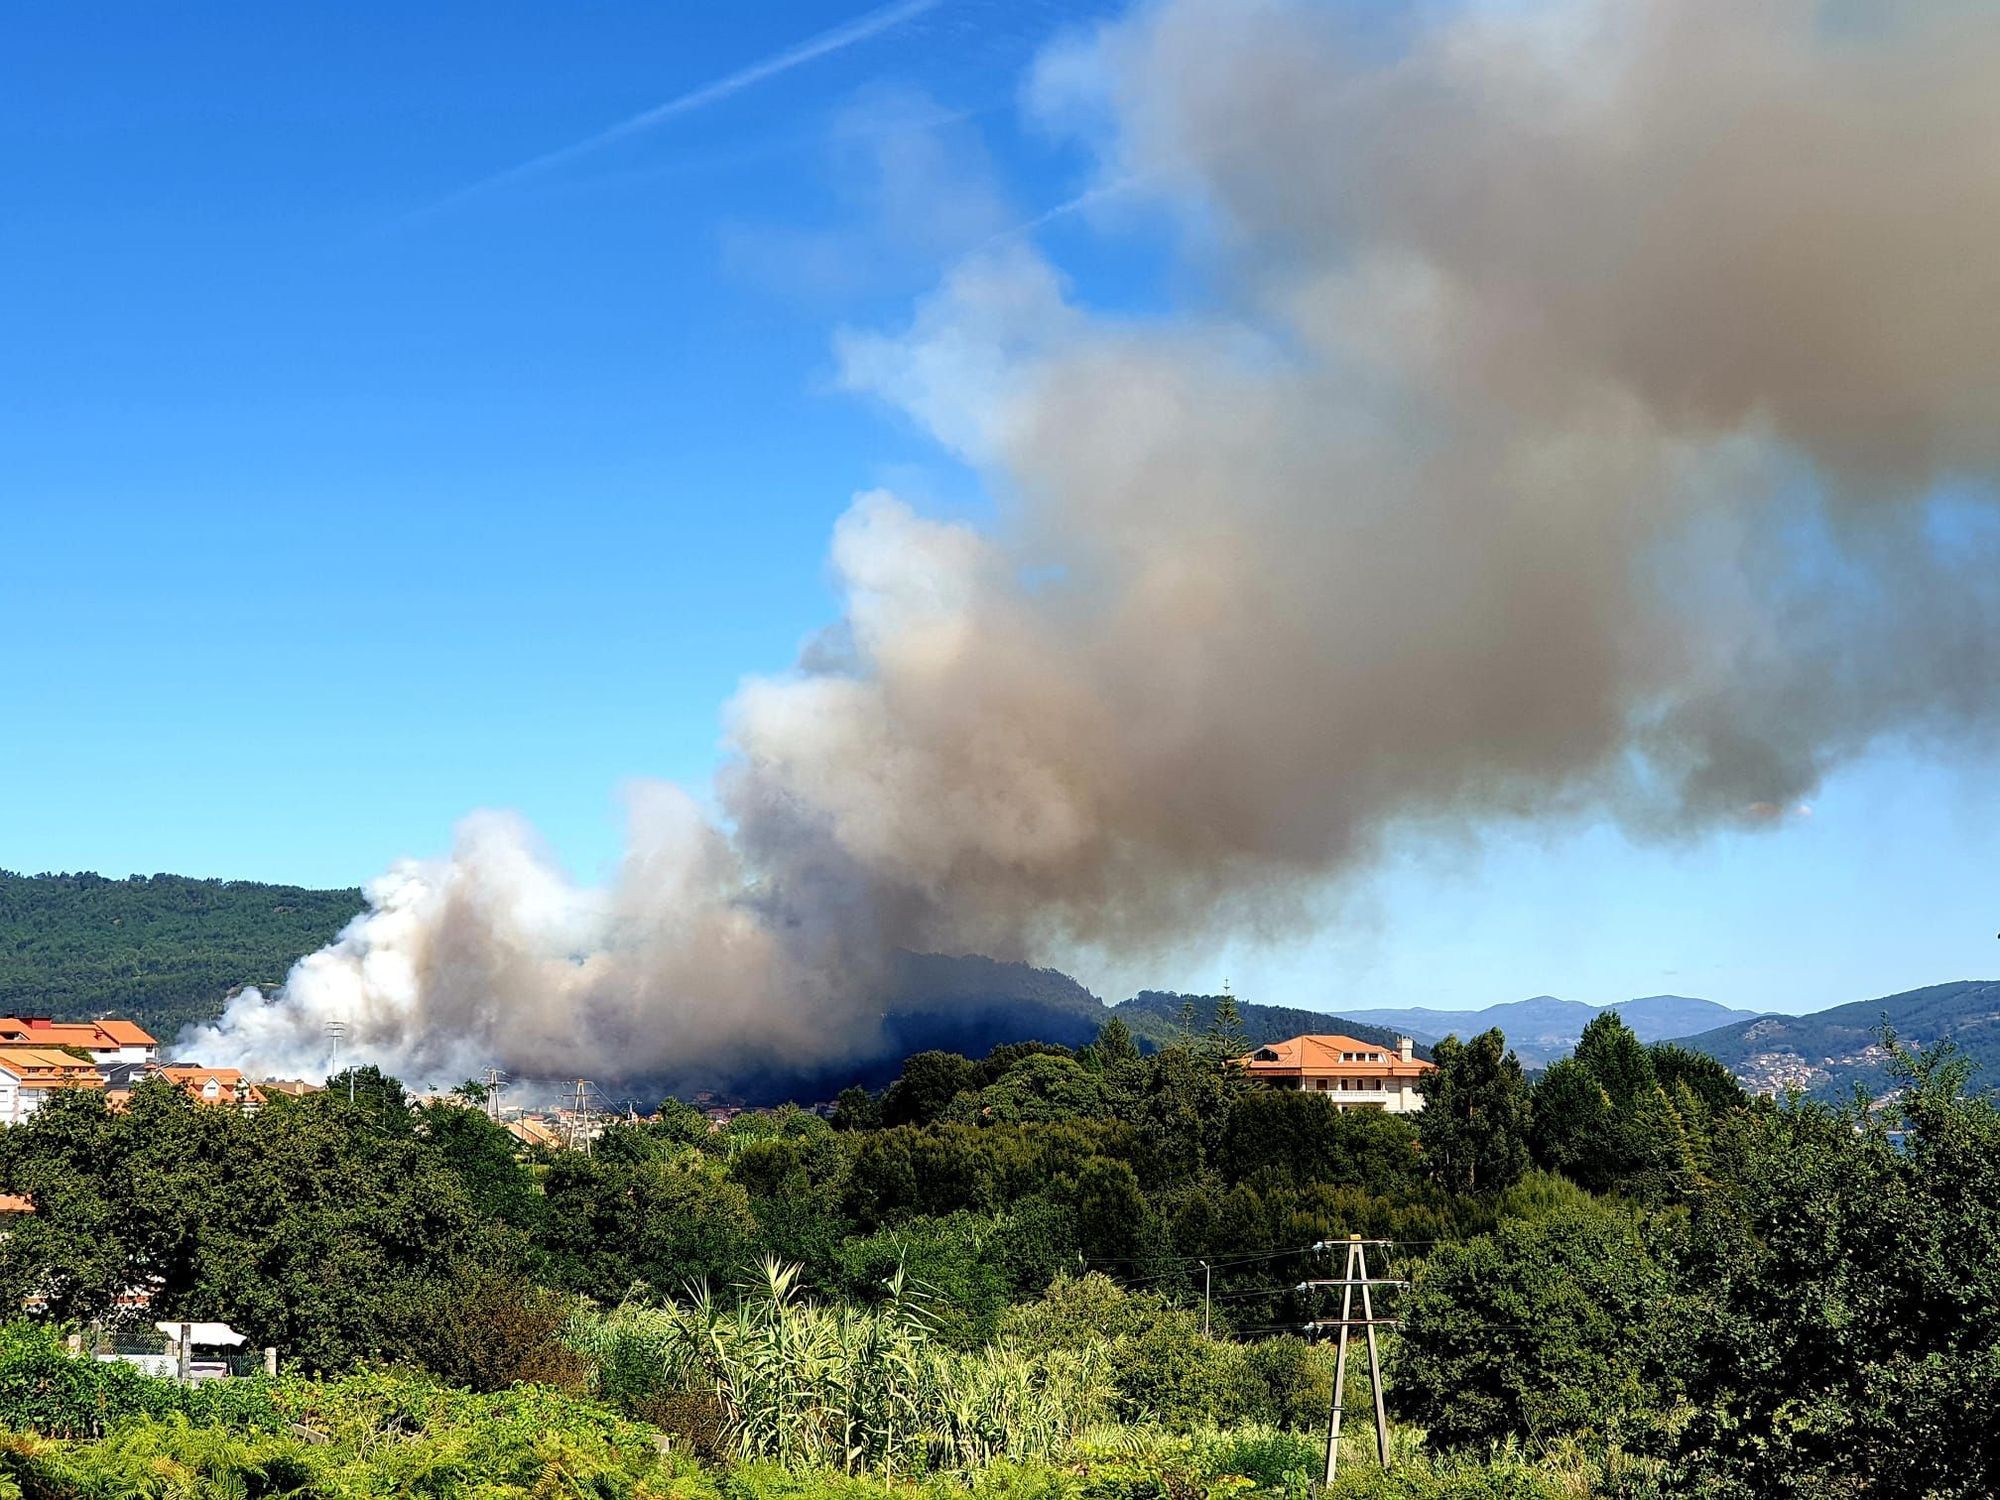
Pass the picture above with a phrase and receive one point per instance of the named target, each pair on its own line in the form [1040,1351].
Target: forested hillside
[1159,1019]
[161,949]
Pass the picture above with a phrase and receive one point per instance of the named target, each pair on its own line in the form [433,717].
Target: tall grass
[816,1385]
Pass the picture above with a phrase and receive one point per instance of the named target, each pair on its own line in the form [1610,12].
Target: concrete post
[271,1362]
[185,1354]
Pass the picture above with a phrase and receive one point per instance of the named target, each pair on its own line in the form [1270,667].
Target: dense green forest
[1159,1018]
[163,950]
[1077,1273]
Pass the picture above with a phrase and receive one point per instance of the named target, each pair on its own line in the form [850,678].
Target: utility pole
[1355,1275]
[336,1036]
[1207,1282]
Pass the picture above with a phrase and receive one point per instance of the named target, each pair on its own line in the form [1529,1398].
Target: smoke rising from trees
[1590,409]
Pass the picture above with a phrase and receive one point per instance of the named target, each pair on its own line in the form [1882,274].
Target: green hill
[1828,1052]
[162,949]
[1155,1021]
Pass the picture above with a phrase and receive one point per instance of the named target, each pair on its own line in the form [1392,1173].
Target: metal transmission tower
[494,1078]
[1355,1275]
[580,1117]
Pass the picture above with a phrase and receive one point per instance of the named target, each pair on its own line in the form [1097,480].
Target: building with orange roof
[1353,1074]
[105,1041]
[215,1085]
[28,1075]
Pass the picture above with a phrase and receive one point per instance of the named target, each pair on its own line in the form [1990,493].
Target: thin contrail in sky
[1069,206]
[844,35]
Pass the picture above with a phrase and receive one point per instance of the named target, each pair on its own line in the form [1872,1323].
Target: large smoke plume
[1591,409]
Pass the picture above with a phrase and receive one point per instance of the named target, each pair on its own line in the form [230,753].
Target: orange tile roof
[42,1067]
[16,1203]
[1322,1057]
[46,1033]
[38,1031]
[227,1082]
[127,1033]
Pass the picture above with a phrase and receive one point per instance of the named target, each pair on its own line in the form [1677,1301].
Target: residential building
[216,1085]
[28,1075]
[1352,1074]
[107,1042]
[121,1078]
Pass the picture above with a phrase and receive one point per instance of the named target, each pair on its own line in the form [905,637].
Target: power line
[1292,1249]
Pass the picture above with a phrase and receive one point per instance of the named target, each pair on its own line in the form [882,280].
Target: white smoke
[1594,411]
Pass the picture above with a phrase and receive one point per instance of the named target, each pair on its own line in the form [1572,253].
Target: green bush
[1292,1381]
[1269,1459]
[1163,1367]
[1499,1480]
[46,1390]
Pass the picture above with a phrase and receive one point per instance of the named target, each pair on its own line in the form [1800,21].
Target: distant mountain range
[1545,1028]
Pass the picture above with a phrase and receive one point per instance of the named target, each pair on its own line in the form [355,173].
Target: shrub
[1541,1331]
[1292,1381]
[1269,1459]
[486,1328]
[46,1390]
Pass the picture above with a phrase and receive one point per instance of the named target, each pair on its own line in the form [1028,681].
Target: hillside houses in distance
[40,1057]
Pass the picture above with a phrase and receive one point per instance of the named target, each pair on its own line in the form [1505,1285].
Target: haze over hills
[1543,1028]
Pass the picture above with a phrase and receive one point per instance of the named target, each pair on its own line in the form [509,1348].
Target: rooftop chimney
[1405,1048]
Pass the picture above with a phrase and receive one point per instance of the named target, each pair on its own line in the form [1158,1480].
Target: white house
[1352,1074]
[106,1041]
[28,1075]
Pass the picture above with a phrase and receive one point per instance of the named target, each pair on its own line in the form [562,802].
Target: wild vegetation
[1046,1271]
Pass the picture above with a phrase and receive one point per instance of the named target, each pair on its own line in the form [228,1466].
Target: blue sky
[346,489]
